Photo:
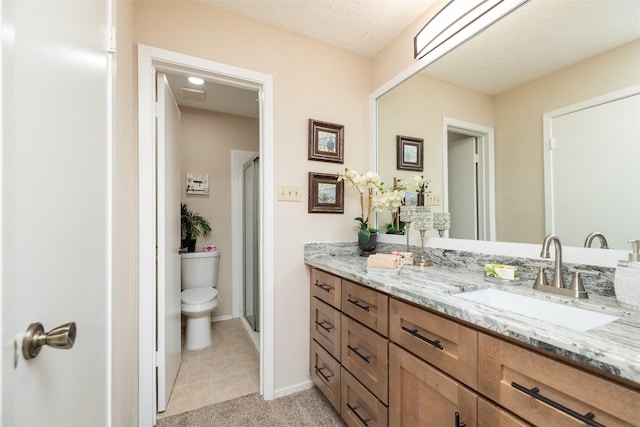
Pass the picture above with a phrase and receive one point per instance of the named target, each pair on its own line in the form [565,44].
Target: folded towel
[384,261]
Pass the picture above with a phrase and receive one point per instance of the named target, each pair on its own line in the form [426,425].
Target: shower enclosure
[251,216]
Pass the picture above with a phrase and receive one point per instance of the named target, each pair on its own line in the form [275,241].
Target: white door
[56,209]
[168,239]
[462,193]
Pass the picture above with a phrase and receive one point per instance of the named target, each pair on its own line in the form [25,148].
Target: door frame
[148,59]
[486,178]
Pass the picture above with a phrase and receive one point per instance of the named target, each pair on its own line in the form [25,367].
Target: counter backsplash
[602,284]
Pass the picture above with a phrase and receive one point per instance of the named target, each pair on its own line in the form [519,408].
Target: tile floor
[228,369]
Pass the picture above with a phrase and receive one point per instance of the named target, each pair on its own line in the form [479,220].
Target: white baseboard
[221,318]
[293,389]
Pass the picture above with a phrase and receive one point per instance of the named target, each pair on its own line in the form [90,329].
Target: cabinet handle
[355,350]
[362,420]
[457,421]
[534,392]
[323,287]
[319,371]
[357,304]
[415,333]
[322,325]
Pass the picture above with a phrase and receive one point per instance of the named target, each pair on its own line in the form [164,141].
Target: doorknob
[63,337]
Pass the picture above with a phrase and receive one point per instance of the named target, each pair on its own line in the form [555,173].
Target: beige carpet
[306,408]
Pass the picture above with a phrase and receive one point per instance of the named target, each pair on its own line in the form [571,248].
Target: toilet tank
[199,269]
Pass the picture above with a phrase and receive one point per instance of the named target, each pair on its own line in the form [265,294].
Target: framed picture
[409,153]
[326,193]
[326,141]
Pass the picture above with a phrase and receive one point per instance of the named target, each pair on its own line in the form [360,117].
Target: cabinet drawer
[366,355]
[522,380]
[368,306]
[325,373]
[326,287]
[490,415]
[445,344]
[325,326]
[421,395]
[360,407]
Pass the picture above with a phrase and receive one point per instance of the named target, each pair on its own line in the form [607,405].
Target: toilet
[199,296]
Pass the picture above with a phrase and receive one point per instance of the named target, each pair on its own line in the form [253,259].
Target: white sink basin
[558,314]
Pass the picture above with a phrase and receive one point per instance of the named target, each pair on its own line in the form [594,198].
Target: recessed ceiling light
[196,80]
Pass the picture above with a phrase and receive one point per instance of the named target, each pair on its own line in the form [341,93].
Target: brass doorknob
[62,337]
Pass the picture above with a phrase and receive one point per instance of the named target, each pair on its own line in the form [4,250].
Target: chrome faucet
[557,281]
[600,236]
[576,289]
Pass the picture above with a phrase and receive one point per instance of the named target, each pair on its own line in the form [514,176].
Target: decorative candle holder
[423,220]
[441,222]
[406,215]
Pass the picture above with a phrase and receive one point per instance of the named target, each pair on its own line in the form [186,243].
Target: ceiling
[542,35]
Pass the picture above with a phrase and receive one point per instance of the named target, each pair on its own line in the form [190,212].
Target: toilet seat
[198,295]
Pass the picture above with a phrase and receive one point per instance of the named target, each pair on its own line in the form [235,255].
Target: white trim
[547,135]
[488,204]
[148,58]
[281,392]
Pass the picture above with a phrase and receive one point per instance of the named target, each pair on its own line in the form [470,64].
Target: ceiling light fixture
[458,21]
[196,81]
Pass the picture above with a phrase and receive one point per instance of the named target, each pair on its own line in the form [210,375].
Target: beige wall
[206,141]
[311,80]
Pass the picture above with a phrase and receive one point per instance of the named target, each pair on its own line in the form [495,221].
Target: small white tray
[388,271]
[514,282]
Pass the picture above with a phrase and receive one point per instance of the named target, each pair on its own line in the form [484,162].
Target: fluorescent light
[196,81]
[458,21]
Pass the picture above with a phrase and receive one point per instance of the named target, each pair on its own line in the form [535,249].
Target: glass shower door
[251,217]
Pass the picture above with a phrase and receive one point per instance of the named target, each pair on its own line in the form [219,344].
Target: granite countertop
[613,348]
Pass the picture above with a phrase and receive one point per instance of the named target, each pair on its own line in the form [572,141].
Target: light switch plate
[433,199]
[288,193]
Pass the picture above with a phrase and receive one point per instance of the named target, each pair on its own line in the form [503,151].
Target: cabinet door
[326,287]
[360,408]
[448,345]
[325,373]
[366,355]
[325,326]
[490,415]
[368,306]
[545,391]
[421,395]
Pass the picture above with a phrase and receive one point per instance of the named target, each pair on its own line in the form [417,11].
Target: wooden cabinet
[421,395]
[366,356]
[445,344]
[490,415]
[349,355]
[359,406]
[367,306]
[545,391]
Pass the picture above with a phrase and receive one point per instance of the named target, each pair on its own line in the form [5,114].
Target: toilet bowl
[199,274]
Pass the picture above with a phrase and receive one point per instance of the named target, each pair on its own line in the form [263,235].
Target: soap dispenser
[627,279]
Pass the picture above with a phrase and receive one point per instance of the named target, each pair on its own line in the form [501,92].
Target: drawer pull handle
[534,392]
[362,420]
[357,304]
[322,325]
[323,287]
[415,333]
[325,377]
[355,350]
[457,421]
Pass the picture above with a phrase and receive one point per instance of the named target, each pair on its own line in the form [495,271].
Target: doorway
[150,59]
[468,179]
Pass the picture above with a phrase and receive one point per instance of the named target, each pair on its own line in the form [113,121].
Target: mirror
[542,58]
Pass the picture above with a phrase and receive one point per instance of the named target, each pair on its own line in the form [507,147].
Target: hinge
[111,43]
[159,359]
[552,143]
[476,158]
[158,109]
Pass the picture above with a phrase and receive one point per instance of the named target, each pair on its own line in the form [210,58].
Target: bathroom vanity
[407,350]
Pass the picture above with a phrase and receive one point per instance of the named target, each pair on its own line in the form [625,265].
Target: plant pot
[367,242]
[190,244]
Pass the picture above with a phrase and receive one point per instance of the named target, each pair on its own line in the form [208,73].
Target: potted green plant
[192,224]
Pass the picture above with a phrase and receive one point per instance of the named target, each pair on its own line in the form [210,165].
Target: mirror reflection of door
[462,190]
